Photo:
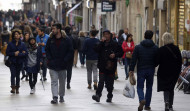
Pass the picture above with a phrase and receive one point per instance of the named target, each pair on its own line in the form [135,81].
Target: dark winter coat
[169,67]
[12,48]
[104,52]
[76,40]
[144,55]
[58,55]
[81,43]
[36,68]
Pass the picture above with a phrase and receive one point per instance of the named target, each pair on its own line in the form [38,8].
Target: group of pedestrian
[58,51]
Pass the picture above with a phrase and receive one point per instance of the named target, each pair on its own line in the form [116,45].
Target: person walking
[59,51]
[16,50]
[82,38]
[41,40]
[144,55]
[70,62]
[76,42]
[91,58]
[108,52]
[128,47]
[169,60]
[34,60]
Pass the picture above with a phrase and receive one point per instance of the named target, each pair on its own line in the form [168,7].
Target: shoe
[147,108]
[45,79]
[167,106]
[17,89]
[61,99]
[95,86]
[54,101]
[89,86]
[141,105]
[13,89]
[23,76]
[109,100]
[32,91]
[96,98]
[68,86]
[26,79]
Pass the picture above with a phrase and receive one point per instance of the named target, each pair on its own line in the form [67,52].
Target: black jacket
[144,55]
[104,52]
[169,67]
[5,37]
[58,57]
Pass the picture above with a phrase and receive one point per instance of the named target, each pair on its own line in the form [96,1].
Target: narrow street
[78,98]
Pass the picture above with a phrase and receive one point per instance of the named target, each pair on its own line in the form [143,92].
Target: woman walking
[128,47]
[169,60]
[82,38]
[34,59]
[16,51]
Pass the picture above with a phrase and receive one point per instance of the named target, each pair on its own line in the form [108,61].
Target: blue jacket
[42,40]
[88,48]
[144,55]
[36,68]
[12,48]
[58,52]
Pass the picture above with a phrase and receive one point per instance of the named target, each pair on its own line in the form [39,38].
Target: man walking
[41,40]
[144,55]
[58,50]
[91,58]
[108,52]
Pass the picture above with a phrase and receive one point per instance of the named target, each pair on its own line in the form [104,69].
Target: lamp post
[90,6]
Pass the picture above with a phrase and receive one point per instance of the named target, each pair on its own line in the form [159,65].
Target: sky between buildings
[10,4]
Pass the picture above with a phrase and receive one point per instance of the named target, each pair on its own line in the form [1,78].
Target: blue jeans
[44,67]
[127,63]
[82,57]
[148,75]
[15,74]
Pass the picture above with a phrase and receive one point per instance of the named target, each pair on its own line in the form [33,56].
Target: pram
[184,78]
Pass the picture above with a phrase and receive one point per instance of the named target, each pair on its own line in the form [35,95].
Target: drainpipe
[169,16]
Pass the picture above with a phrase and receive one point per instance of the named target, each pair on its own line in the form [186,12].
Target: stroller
[184,78]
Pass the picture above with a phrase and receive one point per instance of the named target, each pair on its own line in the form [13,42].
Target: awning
[73,8]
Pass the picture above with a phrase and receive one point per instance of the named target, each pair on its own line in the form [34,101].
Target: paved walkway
[78,98]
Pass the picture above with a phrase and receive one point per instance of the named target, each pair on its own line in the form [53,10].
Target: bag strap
[171,52]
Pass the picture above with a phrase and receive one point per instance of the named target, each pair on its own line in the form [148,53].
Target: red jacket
[126,48]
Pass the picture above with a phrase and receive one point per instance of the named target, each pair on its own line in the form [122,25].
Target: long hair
[120,33]
[129,35]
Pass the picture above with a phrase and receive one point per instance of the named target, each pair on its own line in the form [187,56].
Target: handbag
[7,61]
[128,55]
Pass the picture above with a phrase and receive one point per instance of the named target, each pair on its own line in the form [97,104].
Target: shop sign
[108,6]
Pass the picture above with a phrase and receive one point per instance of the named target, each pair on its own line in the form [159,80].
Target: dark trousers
[15,74]
[127,63]
[169,97]
[32,79]
[44,67]
[69,71]
[82,57]
[142,75]
[108,79]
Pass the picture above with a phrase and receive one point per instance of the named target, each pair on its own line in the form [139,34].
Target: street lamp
[90,5]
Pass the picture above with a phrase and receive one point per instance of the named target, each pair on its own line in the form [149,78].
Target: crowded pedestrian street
[79,97]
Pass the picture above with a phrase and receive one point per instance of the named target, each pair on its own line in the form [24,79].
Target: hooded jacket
[144,55]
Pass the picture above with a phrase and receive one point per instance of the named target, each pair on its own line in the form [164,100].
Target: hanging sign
[108,6]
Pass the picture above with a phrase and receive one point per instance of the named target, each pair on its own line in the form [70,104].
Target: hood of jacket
[147,43]
[64,35]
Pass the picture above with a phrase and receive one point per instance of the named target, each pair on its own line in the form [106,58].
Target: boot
[13,89]
[167,106]
[96,98]
[89,86]
[17,89]
[95,86]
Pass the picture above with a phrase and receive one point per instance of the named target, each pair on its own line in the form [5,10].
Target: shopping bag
[129,90]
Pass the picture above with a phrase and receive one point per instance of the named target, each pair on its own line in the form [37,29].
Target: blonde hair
[81,34]
[167,38]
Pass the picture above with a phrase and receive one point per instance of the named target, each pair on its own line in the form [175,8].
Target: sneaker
[109,100]
[147,108]
[141,105]
[68,86]
[61,99]
[96,98]
[32,91]
[54,101]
